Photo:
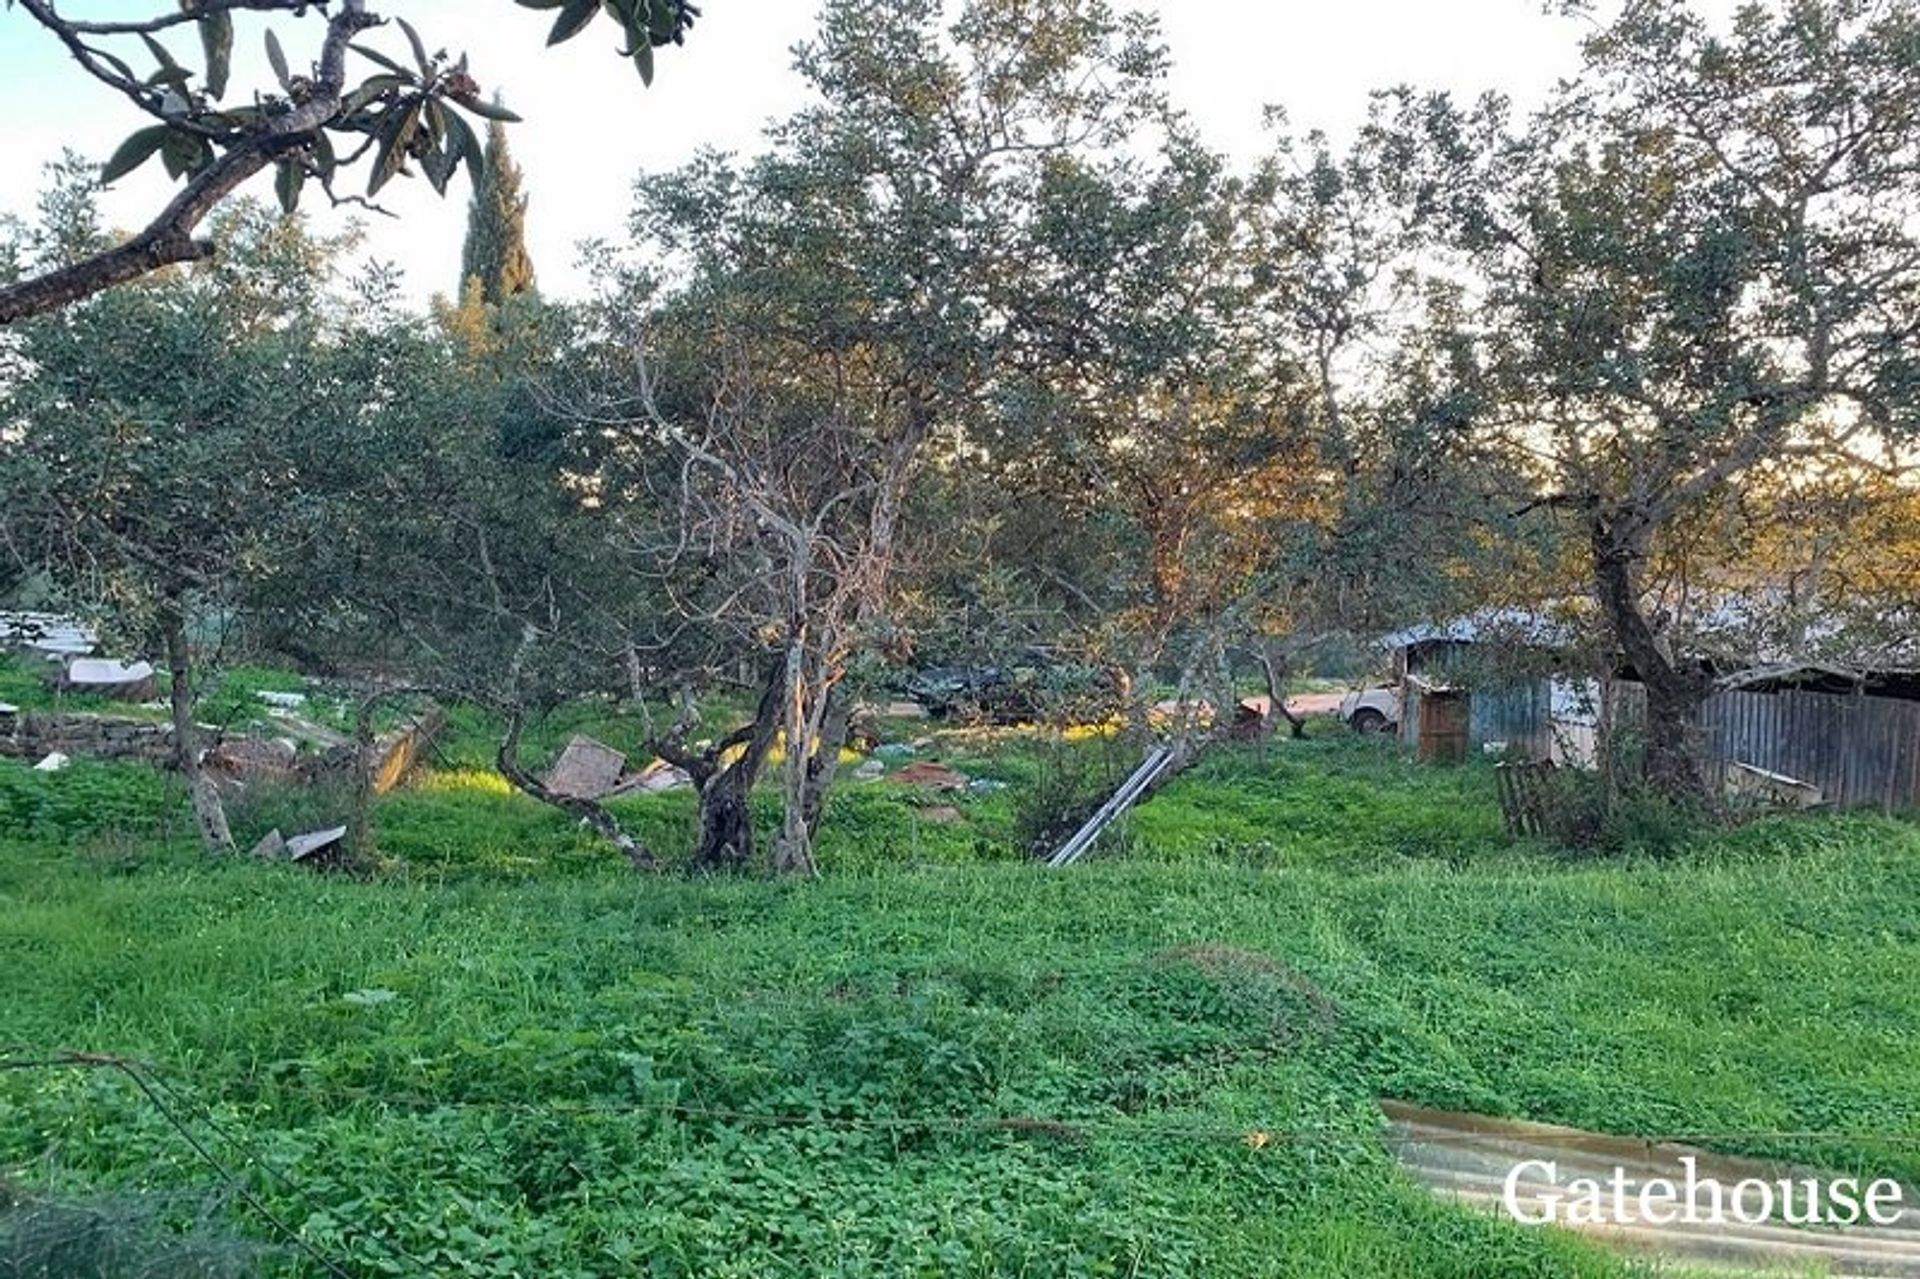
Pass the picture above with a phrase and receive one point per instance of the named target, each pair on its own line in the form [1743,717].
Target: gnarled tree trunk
[209,813]
[1674,691]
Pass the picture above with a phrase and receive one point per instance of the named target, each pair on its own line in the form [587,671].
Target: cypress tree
[496,249]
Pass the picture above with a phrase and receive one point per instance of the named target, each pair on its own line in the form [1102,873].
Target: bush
[1070,781]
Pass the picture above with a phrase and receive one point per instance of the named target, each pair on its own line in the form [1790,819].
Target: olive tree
[1702,259]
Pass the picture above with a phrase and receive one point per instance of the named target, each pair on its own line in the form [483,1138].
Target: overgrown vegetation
[508,1056]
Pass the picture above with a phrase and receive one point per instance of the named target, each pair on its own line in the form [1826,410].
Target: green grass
[509,1057]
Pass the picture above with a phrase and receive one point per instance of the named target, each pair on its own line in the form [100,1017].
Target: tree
[151,502]
[1700,261]
[823,324]
[314,123]
[495,253]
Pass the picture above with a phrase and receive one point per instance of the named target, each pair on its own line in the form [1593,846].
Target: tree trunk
[726,822]
[826,757]
[591,813]
[360,848]
[1274,666]
[726,818]
[209,814]
[1674,690]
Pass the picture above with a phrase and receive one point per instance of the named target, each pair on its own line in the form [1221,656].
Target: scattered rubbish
[1159,760]
[1753,783]
[586,769]
[904,710]
[871,771]
[104,677]
[316,844]
[928,775]
[53,763]
[51,635]
[285,701]
[895,750]
[985,786]
[272,846]
[254,757]
[8,708]
[654,778]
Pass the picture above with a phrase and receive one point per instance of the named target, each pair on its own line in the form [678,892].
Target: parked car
[1371,710]
[1033,684]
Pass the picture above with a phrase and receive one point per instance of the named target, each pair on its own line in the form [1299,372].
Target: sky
[591,129]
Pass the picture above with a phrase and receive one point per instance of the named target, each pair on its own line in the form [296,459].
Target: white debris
[284,701]
[53,763]
[304,846]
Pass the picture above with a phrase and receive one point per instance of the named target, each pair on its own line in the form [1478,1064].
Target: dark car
[1036,684]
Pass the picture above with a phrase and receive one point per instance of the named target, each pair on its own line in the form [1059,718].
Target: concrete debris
[51,635]
[895,750]
[53,763]
[284,701]
[253,757]
[871,771]
[653,779]
[586,769]
[8,708]
[985,786]
[316,844]
[928,775]
[272,847]
[124,681]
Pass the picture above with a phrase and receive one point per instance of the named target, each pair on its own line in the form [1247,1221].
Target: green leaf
[134,152]
[419,46]
[278,57]
[465,143]
[168,63]
[374,55]
[492,111]
[396,132]
[287,182]
[184,153]
[216,37]
[643,59]
[574,16]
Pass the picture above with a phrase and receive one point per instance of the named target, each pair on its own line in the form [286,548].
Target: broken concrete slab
[652,780]
[53,763]
[52,635]
[105,677]
[871,771]
[316,844]
[272,846]
[586,769]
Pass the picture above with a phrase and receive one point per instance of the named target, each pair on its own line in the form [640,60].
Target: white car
[1371,710]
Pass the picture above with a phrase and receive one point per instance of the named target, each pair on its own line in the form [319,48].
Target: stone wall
[33,735]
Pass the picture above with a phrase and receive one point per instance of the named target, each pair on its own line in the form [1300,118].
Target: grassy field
[507,1057]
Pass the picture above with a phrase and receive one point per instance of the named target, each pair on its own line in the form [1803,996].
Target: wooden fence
[1859,751]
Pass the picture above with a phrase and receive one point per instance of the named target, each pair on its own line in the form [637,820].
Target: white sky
[591,128]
